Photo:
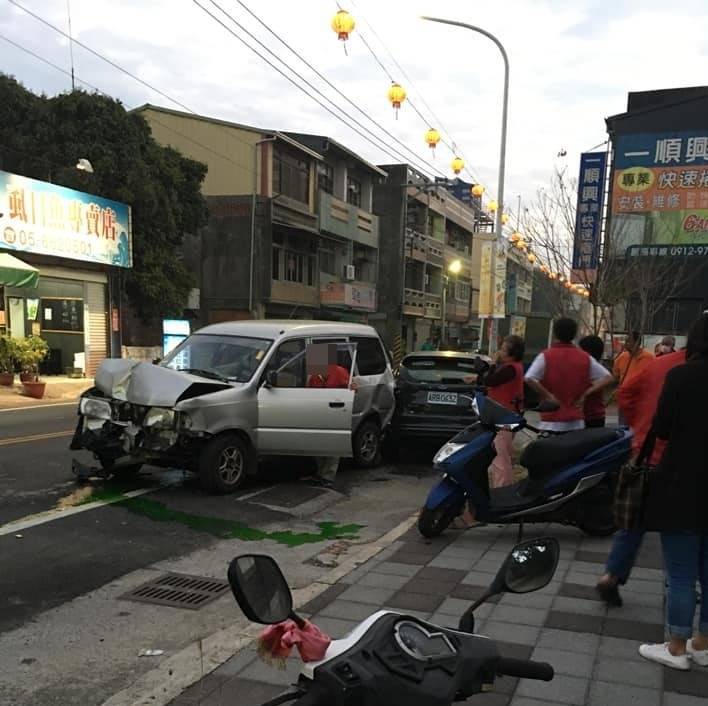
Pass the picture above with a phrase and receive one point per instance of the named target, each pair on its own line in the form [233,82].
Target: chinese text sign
[47,219]
[660,192]
[588,220]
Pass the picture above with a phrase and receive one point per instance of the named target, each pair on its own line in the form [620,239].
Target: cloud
[571,65]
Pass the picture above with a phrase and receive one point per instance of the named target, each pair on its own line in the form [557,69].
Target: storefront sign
[47,219]
[485,281]
[511,292]
[498,308]
[588,219]
[356,296]
[660,191]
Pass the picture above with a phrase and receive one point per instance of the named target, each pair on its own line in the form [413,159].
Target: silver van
[235,391]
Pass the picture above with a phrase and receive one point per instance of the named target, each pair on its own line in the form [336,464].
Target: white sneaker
[698,656]
[660,653]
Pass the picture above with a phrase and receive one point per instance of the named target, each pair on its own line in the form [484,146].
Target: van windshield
[228,358]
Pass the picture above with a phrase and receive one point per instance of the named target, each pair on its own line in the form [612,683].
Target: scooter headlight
[447,451]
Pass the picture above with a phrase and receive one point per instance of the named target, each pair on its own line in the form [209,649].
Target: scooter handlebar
[524,668]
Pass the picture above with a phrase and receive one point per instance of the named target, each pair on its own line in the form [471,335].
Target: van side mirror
[271,379]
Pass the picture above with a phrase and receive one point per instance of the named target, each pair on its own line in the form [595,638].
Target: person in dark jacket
[677,504]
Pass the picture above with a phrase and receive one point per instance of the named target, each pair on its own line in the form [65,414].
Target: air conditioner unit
[350,272]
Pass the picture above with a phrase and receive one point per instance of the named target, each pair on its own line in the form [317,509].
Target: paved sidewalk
[59,389]
[593,649]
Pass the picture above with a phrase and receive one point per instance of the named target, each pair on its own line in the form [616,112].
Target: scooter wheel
[432,523]
[595,516]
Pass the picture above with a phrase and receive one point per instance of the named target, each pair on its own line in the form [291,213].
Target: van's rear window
[436,369]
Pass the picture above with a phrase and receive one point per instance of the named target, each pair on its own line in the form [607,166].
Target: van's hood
[151,385]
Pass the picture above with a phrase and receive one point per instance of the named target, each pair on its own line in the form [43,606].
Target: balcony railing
[413,302]
[348,221]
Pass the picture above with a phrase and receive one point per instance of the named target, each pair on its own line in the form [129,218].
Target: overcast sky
[572,64]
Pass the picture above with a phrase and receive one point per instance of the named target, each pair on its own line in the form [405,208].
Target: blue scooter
[570,476]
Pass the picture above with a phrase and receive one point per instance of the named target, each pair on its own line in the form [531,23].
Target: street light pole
[502,149]
[505,104]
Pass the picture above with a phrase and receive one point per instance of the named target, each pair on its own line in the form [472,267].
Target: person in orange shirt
[632,360]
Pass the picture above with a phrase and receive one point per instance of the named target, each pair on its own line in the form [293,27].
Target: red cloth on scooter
[510,394]
[566,377]
[277,641]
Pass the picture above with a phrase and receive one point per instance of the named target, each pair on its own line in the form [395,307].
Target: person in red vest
[594,408]
[505,385]
[637,400]
[566,376]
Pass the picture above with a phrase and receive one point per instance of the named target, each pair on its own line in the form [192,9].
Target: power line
[331,85]
[452,147]
[98,90]
[125,71]
[391,151]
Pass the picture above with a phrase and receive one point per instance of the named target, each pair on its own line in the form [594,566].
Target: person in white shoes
[677,503]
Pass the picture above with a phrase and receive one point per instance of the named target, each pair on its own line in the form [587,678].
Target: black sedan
[434,393]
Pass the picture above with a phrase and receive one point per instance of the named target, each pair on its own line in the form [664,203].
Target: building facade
[62,254]
[658,208]
[291,232]
[427,276]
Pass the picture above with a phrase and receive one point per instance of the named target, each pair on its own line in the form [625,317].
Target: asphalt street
[56,556]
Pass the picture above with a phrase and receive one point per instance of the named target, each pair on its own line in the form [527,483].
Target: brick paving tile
[471,593]
[396,569]
[574,664]
[371,596]
[564,689]
[619,648]
[575,623]
[577,590]
[405,600]
[409,557]
[199,691]
[375,580]
[620,671]
[490,699]
[607,694]
[633,630]
[586,643]
[693,682]
[249,693]
[518,615]
[325,598]
[444,575]
[347,610]
[673,699]
[591,557]
[429,586]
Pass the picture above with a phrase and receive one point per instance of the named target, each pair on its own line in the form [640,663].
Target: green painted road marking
[230,529]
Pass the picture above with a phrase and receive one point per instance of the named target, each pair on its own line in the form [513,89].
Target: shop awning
[15,273]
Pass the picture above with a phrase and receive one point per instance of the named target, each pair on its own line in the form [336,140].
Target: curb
[161,685]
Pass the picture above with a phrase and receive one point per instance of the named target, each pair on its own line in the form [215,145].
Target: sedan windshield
[438,370]
[228,358]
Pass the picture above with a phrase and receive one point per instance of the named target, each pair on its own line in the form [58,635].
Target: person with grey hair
[665,346]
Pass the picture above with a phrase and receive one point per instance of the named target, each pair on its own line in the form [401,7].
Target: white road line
[57,514]
[40,406]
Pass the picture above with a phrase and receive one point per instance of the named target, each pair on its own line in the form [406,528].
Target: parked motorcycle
[570,476]
[394,658]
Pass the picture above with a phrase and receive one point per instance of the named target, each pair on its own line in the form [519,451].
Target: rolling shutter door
[97,326]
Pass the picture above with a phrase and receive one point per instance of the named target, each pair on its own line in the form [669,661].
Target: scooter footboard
[445,492]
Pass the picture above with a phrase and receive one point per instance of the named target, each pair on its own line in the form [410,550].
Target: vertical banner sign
[498,305]
[660,194]
[485,281]
[588,220]
[511,293]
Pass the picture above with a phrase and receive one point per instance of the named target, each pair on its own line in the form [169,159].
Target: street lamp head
[455,267]
[84,165]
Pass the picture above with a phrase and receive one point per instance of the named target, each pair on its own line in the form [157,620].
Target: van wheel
[224,463]
[366,445]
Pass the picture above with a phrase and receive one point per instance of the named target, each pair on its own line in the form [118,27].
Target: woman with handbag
[677,501]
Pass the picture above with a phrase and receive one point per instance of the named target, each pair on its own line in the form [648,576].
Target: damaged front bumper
[119,433]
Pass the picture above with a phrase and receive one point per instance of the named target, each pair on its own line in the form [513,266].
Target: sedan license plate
[442,398]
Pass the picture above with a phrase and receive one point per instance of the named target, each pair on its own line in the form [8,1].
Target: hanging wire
[320,75]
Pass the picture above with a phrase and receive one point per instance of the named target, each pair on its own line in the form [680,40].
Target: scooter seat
[544,457]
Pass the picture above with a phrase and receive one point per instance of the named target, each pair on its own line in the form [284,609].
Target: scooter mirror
[260,589]
[529,566]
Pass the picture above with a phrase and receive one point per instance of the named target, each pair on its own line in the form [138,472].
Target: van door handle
[336,405]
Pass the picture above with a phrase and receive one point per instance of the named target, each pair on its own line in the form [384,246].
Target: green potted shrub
[8,358]
[32,351]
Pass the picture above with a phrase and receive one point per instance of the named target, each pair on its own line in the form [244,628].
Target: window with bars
[291,175]
[325,177]
[292,266]
[354,192]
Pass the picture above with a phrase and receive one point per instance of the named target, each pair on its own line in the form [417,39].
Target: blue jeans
[625,547]
[686,560]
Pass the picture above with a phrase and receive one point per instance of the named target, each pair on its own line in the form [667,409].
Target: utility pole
[71,45]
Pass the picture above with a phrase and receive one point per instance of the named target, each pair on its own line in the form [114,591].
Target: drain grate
[179,591]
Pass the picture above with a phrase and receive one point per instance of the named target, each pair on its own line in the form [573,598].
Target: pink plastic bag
[277,641]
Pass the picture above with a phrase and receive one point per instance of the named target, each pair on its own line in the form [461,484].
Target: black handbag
[633,486]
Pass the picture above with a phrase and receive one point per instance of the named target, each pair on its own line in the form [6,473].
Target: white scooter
[393,658]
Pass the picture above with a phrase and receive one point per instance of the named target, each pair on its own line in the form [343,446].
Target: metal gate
[97,326]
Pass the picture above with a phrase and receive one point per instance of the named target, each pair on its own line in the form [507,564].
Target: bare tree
[627,291]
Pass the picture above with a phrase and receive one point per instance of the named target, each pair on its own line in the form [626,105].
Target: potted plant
[8,357]
[32,351]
